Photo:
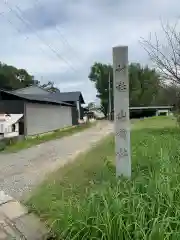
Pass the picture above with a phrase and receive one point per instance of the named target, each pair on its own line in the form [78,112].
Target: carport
[149,111]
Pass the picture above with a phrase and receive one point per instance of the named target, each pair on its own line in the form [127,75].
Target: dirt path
[20,172]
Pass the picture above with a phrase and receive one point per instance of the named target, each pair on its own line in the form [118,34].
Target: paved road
[20,172]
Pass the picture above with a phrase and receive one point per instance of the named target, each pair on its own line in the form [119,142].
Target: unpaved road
[20,172]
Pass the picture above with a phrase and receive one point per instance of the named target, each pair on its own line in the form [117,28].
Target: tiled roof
[40,98]
[68,96]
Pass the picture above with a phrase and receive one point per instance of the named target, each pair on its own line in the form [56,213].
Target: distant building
[148,111]
[9,125]
[42,111]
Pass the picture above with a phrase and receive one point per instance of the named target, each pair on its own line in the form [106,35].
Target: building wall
[11,106]
[41,118]
[163,112]
[80,110]
[74,113]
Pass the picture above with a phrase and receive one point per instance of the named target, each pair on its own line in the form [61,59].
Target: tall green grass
[91,203]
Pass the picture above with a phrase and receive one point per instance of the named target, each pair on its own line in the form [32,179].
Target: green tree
[12,78]
[100,75]
[145,85]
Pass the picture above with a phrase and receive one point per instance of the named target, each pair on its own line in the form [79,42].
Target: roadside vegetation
[84,200]
[14,146]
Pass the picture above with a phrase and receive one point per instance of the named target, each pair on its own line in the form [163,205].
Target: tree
[165,55]
[144,84]
[168,95]
[100,75]
[50,87]
[91,105]
[12,78]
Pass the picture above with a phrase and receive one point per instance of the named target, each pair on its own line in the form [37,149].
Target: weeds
[89,202]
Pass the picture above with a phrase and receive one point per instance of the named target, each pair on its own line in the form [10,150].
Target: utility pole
[109,96]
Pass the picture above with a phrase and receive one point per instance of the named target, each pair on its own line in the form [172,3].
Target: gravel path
[21,171]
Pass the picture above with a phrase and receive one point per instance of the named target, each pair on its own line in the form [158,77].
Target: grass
[155,122]
[84,200]
[31,141]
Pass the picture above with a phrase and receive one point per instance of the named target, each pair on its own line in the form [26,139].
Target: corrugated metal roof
[60,96]
[41,98]
[68,96]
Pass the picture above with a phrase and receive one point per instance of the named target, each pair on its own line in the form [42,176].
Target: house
[41,113]
[73,98]
[9,125]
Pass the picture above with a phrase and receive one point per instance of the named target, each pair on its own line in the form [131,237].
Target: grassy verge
[84,200]
[29,142]
[155,122]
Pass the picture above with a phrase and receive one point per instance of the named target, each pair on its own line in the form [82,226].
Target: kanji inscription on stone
[121,111]
[121,87]
[121,115]
[122,133]
[120,68]
[123,152]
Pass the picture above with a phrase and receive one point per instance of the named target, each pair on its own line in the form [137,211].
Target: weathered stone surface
[12,209]
[16,223]
[13,233]
[31,227]
[4,198]
[7,231]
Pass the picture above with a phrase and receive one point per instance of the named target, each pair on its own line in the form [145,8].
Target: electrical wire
[64,40]
[28,25]
[19,31]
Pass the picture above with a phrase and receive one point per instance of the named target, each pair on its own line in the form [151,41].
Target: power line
[19,31]
[28,25]
[57,29]
[48,44]
[58,32]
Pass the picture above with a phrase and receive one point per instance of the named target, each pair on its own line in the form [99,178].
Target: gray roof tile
[68,96]
[41,98]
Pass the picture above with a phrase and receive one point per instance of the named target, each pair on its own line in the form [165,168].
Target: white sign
[121,111]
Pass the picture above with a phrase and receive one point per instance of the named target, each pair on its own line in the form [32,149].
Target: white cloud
[87,31]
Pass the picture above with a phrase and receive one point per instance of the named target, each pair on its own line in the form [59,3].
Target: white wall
[41,118]
[11,134]
[7,130]
[158,112]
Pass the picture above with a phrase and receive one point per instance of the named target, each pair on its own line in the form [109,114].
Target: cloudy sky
[59,40]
